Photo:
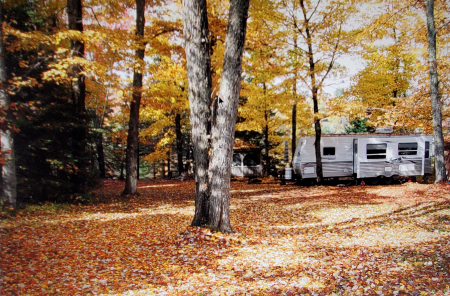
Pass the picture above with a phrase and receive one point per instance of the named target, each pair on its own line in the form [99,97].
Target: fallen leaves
[371,240]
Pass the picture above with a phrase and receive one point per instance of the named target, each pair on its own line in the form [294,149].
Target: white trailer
[372,157]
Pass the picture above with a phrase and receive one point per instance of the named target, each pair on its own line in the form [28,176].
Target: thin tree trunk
[122,169]
[439,160]
[169,172]
[294,132]
[318,130]
[101,156]
[314,92]
[8,168]
[179,140]
[266,147]
[138,166]
[224,118]
[75,20]
[133,125]
[266,135]
[196,36]
[188,158]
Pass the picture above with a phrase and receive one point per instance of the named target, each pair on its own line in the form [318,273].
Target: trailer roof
[370,135]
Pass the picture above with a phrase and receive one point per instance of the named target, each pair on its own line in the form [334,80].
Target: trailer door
[355,157]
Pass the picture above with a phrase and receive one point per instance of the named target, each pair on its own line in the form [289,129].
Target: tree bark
[137,160]
[75,18]
[179,141]
[294,132]
[318,131]
[439,160]
[196,34]
[101,156]
[133,125]
[266,135]
[314,92]
[80,133]
[8,168]
[169,172]
[266,147]
[225,108]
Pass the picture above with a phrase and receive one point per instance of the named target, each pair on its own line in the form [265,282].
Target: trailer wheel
[373,181]
[387,180]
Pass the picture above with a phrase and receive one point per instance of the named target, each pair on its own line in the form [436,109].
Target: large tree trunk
[224,116]
[439,160]
[196,46]
[179,136]
[133,125]
[75,18]
[8,168]
[80,133]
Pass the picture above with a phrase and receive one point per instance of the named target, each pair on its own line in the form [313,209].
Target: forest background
[72,69]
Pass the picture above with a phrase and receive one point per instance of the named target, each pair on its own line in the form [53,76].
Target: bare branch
[166,31]
[446,24]
[93,12]
[314,11]
[333,59]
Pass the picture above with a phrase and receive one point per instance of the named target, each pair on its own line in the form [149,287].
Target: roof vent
[384,130]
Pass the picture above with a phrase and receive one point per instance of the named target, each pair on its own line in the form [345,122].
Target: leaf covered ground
[289,240]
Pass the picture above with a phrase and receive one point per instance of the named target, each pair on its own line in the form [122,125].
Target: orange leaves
[289,240]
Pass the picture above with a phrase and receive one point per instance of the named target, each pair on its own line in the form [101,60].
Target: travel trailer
[370,157]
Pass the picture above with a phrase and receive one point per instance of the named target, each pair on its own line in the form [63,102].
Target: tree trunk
[75,20]
[188,158]
[225,108]
[179,136]
[294,132]
[196,34]
[318,130]
[439,160]
[169,172]
[266,147]
[101,156]
[266,135]
[314,93]
[8,168]
[137,160]
[133,125]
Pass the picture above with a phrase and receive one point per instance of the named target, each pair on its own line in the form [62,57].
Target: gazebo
[246,160]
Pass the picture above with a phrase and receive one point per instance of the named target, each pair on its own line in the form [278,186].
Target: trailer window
[236,160]
[251,160]
[427,149]
[376,151]
[329,151]
[407,148]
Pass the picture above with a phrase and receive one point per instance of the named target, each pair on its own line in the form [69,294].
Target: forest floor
[288,240]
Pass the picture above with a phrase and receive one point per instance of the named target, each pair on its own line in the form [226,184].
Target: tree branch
[314,11]
[443,26]
[395,13]
[93,12]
